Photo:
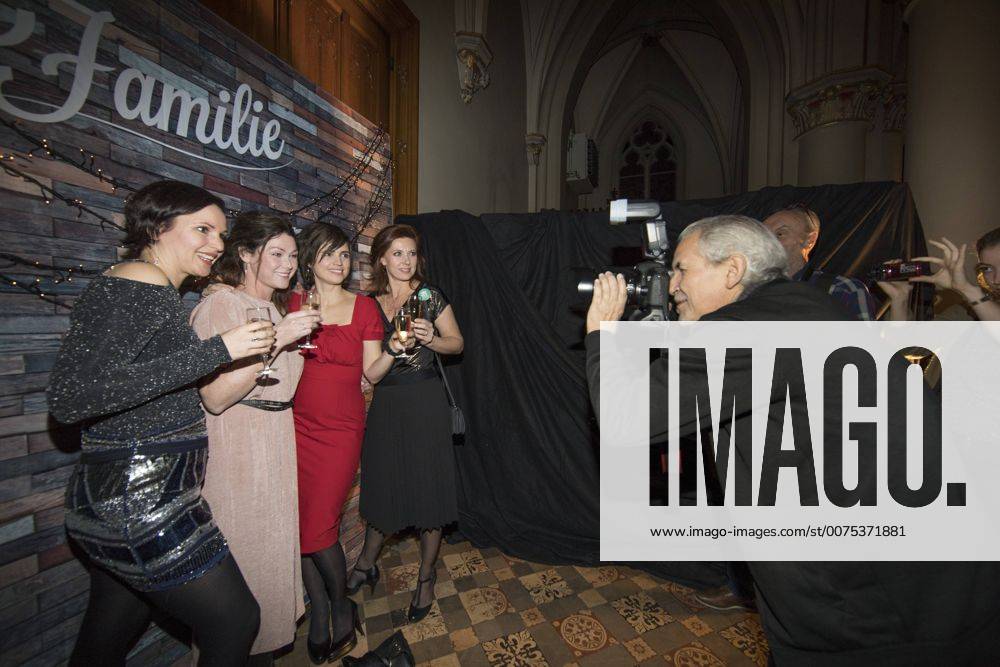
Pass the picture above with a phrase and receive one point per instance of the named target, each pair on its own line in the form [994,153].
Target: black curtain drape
[528,471]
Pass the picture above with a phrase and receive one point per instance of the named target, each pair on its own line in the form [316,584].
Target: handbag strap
[444,378]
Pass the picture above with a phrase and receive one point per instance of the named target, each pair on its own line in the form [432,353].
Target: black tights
[324,574]
[430,545]
[218,607]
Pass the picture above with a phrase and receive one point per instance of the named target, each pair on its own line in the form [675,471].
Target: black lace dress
[127,370]
[407,463]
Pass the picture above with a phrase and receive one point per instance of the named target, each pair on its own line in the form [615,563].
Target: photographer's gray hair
[722,236]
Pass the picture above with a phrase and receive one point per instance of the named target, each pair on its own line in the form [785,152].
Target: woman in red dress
[329,413]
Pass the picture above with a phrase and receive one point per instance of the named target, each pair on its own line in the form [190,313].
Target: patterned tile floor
[492,609]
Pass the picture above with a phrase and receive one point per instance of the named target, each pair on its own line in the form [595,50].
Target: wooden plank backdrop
[43,588]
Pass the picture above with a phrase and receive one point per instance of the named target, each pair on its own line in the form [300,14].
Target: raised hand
[423,330]
[295,326]
[249,339]
[951,268]
[608,302]
[897,291]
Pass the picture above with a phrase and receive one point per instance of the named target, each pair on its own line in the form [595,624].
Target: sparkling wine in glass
[403,323]
[311,302]
[262,314]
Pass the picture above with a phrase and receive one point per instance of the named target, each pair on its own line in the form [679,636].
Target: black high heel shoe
[318,653]
[372,575]
[416,614]
[345,645]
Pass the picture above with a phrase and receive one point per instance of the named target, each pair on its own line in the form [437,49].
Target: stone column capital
[849,95]
[895,107]
[534,143]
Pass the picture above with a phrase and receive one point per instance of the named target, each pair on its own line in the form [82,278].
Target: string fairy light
[87,161]
[376,201]
[339,191]
[61,274]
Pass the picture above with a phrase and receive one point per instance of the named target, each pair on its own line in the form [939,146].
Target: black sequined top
[422,358]
[130,361]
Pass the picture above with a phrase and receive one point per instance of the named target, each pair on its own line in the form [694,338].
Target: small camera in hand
[895,271]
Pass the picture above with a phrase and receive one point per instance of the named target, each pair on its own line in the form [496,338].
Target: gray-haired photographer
[731,268]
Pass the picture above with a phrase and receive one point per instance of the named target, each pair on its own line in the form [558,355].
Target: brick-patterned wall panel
[43,588]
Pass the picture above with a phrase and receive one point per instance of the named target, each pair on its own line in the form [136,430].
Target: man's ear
[736,268]
[810,242]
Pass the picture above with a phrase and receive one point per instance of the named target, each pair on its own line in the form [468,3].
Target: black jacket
[853,613]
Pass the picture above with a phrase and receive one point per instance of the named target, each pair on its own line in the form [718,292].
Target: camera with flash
[647,282]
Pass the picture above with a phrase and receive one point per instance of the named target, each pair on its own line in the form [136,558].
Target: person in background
[329,412]
[981,297]
[128,368]
[407,466]
[797,229]
[250,481]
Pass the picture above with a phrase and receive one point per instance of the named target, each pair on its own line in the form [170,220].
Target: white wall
[472,156]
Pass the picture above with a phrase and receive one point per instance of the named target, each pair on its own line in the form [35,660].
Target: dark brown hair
[988,240]
[312,240]
[380,245]
[151,211]
[250,232]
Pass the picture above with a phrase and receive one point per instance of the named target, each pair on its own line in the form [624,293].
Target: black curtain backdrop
[528,471]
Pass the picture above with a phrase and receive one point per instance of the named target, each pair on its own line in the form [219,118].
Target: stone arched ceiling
[565,38]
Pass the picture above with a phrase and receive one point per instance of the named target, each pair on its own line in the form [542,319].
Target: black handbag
[457,417]
[393,652]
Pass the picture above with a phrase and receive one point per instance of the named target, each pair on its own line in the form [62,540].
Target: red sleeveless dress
[329,412]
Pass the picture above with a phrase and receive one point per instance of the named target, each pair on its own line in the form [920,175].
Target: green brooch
[424,294]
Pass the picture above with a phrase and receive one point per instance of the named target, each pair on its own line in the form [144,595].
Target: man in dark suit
[816,613]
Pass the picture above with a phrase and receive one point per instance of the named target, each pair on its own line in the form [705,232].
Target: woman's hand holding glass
[249,339]
[396,345]
[423,331]
[295,326]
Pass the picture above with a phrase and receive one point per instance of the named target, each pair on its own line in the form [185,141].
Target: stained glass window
[649,166]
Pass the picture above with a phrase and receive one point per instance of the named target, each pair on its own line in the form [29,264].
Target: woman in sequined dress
[250,482]
[407,465]
[127,369]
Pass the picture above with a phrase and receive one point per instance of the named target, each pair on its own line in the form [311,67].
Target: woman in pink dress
[250,477]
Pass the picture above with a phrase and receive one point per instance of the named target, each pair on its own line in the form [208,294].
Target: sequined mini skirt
[135,507]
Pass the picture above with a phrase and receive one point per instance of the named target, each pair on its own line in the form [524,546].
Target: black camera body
[648,281]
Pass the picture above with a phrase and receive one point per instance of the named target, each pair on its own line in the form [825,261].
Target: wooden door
[363,52]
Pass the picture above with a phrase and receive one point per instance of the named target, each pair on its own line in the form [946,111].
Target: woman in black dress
[407,464]
[128,369]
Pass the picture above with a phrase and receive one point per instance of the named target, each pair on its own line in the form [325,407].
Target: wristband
[393,353]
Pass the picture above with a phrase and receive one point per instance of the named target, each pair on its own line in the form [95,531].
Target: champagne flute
[403,323]
[311,302]
[415,305]
[262,314]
